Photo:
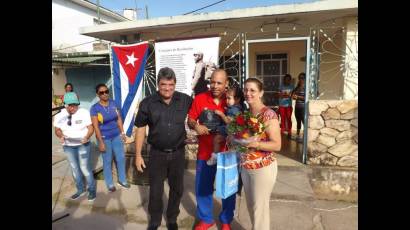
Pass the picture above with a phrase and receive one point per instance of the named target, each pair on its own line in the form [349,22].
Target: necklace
[105,107]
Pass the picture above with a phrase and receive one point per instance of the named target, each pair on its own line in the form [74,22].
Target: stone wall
[332,133]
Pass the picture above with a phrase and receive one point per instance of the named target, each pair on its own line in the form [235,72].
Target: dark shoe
[172,226]
[91,195]
[77,195]
[112,189]
[152,227]
[126,185]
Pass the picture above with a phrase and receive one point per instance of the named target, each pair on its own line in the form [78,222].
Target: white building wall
[58,80]
[67,17]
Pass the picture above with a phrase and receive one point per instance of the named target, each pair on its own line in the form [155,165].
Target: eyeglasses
[104,92]
[69,120]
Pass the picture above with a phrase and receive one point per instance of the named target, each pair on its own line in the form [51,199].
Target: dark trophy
[210,119]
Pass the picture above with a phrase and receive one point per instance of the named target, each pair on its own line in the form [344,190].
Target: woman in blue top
[110,136]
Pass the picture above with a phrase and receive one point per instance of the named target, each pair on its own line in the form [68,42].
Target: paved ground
[293,206]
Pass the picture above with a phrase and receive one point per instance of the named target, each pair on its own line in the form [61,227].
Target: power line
[204,7]
[73,46]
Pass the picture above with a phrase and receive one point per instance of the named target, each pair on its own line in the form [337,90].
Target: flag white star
[131,59]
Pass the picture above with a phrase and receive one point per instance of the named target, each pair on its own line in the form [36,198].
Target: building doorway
[269,60]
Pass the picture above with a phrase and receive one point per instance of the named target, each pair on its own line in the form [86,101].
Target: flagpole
[143,80]
[112,74]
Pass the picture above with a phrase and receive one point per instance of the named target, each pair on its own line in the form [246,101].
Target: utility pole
[98,11]
[146,12]
[136,10]
[98,17]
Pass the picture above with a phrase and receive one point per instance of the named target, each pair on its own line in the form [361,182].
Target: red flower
[240,120]
[255,128]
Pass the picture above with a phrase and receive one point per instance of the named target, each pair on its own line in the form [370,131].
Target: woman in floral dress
[259,165]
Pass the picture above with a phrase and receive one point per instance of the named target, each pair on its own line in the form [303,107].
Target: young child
[235,101]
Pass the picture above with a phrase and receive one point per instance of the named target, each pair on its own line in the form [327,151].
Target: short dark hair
[166,73]
[302,75]
[99,86]
[69,84]
[287,76]
[238,94]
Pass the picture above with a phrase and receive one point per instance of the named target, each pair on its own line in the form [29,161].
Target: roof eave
[103,10]
[225,15]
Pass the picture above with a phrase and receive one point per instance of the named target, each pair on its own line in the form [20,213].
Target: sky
[163,8]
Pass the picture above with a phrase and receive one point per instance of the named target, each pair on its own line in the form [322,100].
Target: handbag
[227,174]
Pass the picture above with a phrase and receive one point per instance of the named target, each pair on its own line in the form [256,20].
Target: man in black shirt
[164,112]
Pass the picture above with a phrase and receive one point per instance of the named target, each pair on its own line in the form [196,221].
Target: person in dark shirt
[298,94]
[164,113]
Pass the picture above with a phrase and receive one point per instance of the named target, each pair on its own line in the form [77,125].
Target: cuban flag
[128,63]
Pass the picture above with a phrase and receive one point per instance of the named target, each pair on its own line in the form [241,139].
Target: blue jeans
[79,158]
[204,189]
[114,145]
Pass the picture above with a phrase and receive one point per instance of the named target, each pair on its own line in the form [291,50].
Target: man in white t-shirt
[74,128]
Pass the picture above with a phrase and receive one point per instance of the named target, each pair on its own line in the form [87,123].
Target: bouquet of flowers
[243,129]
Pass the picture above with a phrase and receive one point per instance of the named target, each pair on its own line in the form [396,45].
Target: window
[271,68]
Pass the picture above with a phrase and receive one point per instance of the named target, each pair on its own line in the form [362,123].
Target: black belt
[171,150]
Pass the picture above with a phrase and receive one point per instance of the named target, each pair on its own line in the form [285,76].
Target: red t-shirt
[202,101]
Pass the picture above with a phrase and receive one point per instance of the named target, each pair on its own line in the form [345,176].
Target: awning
[78,60]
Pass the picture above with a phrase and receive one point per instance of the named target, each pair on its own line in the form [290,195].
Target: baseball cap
[71,98]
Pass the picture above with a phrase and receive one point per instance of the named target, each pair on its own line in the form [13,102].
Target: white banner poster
[179,55]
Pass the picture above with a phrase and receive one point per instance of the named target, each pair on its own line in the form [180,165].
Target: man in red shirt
[214,99]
